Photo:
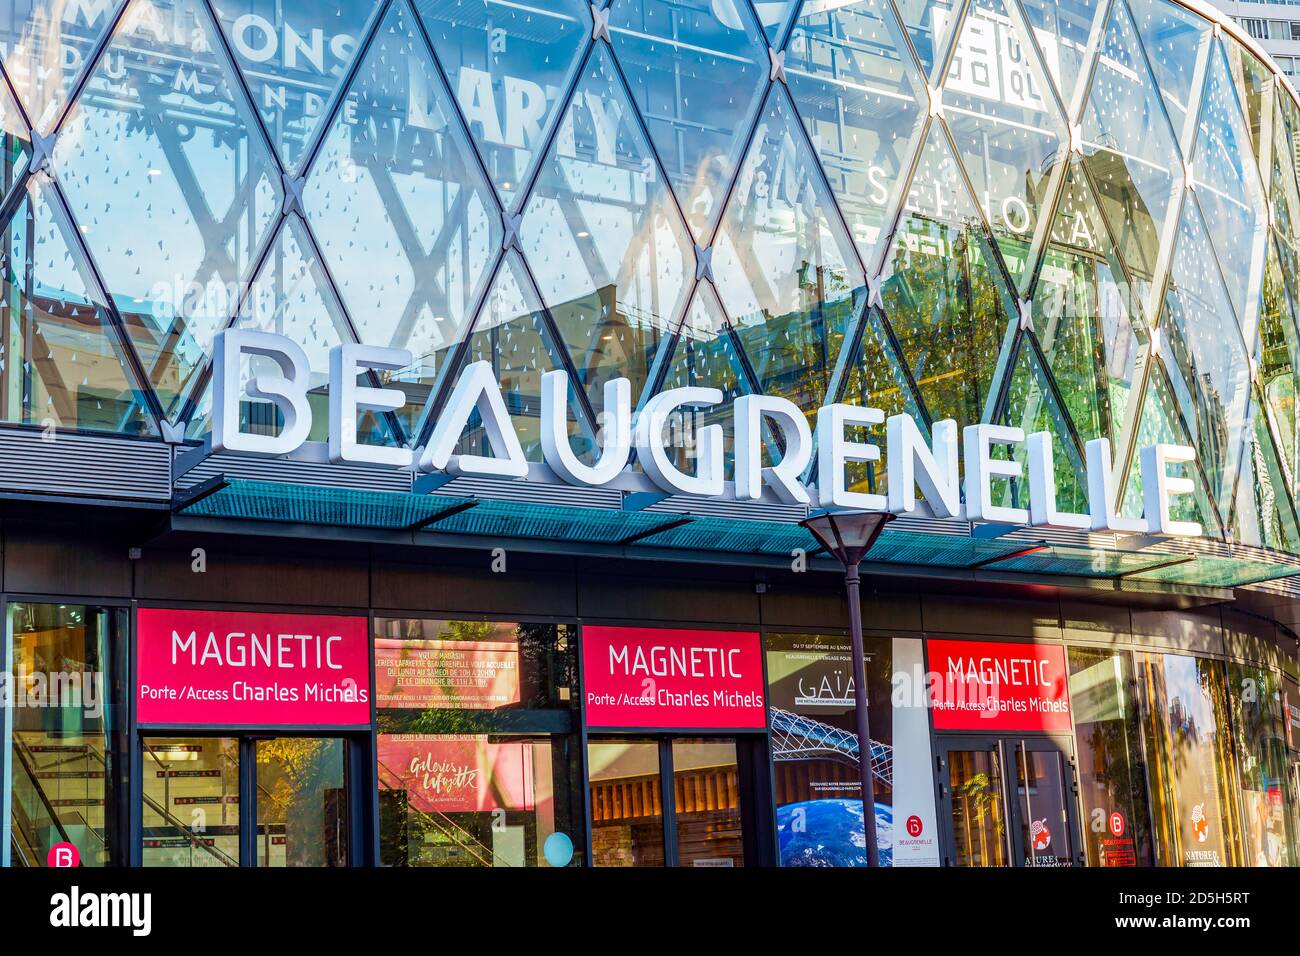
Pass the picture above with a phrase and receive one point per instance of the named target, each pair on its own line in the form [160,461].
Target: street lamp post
[848,536]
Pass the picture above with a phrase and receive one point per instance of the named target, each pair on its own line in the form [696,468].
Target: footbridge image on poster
[816,755]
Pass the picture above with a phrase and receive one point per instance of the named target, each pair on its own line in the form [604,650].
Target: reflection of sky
[1183,685]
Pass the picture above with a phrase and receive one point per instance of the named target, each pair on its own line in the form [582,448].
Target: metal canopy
[681,534]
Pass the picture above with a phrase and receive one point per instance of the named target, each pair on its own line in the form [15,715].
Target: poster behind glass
[815,752]
[1257,716]
[1112,784]
[1189,761]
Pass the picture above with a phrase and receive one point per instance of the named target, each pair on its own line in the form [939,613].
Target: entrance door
[1009,801]
[251,801]
[670,801]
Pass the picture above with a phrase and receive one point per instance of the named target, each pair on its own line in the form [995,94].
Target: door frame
[356,762]
[753,787]
[1006,747]
[1063,746]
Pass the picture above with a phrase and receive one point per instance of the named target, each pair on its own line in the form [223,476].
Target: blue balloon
[558,849]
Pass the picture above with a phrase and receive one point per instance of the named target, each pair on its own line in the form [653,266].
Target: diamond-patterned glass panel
[508,65]
[929,23]
[1228,186]
[1085,316]
[291,296]
[874,378]
[940,295]
[1253,84]
[1159,424]
[601,232]
[696,80]
[1063,29]
[786,273]
[1263,513]
[772,14]
[1206,357]
[1130,151]
[512,335]
[171,184]
[1171,36]
[1284,193]
[864,103]
[1006,125]
[1033,407]
[293,55]
[46,46]
[408,226]
[61,362]
[15,143]
[705,356]
[1279,362]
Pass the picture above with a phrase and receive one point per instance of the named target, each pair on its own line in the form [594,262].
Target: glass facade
[1055,216]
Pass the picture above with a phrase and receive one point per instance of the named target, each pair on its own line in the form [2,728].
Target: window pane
[1112,785]
[191,801]
[302,807]
[471,666]
[476,800]
[1189,761]
[59,749]
[1262,765]
[706,787]
[978,821]
[627,814]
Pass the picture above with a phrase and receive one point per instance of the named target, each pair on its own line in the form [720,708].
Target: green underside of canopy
[245,500]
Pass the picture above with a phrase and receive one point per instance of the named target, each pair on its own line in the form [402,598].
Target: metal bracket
[184,497]
[188,460]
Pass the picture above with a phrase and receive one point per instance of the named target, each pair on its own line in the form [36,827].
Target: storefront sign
[451,675]
[238,668]
[911,462]
[998,687]
[457,774]
[648,678]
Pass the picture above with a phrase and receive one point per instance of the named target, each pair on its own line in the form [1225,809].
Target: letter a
[477,388]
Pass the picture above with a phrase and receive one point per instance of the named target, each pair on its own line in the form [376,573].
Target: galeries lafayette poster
[976,685]
[251,669]
[651,678]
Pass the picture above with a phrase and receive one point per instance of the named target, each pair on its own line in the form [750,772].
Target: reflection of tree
[301,770]
[980,798]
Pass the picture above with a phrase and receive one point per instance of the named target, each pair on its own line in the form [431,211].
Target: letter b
[287,391]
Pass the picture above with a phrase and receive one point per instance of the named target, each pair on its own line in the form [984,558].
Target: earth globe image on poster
[831,833]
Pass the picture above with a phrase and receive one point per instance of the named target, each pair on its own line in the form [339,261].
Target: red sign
[458,774]
[246,668]
[63,855]
[455,675]
[976,685]
[648,678]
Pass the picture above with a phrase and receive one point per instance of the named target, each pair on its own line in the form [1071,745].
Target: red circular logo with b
[914,826]
[1117,823]
[63,855]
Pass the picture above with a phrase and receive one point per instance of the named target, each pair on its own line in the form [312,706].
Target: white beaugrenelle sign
[910,464]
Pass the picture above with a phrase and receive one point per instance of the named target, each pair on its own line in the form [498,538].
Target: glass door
[1045,803]
[666,801]
[1008,801]
[302,804]
[974,802]
[246,800]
